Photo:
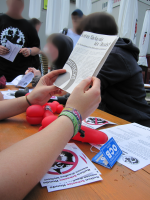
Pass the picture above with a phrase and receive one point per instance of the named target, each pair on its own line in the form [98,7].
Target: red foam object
[53,107]
[91,136]
[40,128]
[34,114]
[47,113]
[34,120]
[56,102]
[59,109]
[27,94]
[35,111]
[48,120]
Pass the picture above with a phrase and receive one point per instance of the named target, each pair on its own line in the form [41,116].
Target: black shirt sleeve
[34,40]
[113,71]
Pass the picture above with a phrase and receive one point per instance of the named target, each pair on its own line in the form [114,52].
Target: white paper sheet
[13,51]
[91,50]
[71,178]
[95,122]
[22,80]
[25,80]
[134,141]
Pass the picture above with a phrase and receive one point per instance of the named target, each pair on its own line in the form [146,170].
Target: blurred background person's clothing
[76,18]
[19,31]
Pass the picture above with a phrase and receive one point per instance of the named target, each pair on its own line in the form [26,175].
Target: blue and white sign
[108,155]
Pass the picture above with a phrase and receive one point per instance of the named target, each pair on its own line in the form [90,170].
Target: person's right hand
[34,71]
[3,50]
[83,100]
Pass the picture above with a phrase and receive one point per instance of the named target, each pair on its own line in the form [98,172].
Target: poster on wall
[45,4]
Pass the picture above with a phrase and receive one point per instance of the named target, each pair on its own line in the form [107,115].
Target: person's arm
[26,52]
[24,164]
[40,95]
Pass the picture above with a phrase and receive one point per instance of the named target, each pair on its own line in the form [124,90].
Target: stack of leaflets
[71,169]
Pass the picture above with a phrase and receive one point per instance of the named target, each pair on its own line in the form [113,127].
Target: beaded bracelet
[75,117]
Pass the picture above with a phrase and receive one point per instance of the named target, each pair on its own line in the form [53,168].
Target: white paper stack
[71,169]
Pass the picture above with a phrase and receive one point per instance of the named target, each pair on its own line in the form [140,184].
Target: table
[118,183]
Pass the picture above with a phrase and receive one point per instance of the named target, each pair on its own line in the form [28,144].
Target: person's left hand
[25,52]
[45,88]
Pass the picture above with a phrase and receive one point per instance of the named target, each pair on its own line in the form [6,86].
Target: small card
[108,155]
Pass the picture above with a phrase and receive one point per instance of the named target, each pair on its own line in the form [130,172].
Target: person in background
[17,30]
[35,59]
[122,87]
[76,16]
[36,23]
[23,164]
[56,43]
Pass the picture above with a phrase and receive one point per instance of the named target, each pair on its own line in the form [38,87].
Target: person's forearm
[9,108]
[34,51]
[24,164]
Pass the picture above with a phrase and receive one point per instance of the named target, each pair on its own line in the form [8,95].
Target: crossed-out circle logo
[14,35]
[65,163]
[67,79]
[95,121]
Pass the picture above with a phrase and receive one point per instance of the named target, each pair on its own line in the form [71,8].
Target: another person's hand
[1,97]
[3,50]
[25,52]
[85,101]
[45,88]
[34,71]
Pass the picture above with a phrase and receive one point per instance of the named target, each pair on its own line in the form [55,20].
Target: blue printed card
[108,155]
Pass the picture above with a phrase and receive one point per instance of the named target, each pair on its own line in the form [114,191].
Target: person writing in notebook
[23,164]
[17,30]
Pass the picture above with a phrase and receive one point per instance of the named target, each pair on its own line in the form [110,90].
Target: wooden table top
[118,183]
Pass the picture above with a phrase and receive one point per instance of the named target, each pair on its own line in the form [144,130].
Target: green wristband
[74,120]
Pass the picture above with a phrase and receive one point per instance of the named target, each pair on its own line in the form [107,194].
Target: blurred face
[38,26]
[75,21]
[51,51]
[15,6]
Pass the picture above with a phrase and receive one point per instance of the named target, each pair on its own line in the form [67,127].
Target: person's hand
[83,100]
[3,50]
[25,52]
[1,97]
[34,71]
[45,88]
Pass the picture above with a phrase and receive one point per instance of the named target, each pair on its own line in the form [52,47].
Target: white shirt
[75,37]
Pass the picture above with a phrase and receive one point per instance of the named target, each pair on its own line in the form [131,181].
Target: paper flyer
[95,122]
[134,141]
[13,51]
[22,80]
[72,170]
[91,50]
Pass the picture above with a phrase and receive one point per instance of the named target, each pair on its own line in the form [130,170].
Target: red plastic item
[27,94]
[91,136]
[40,128]
[47,113]
[56,102]
[34,114]
[59,109]
[48,120]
